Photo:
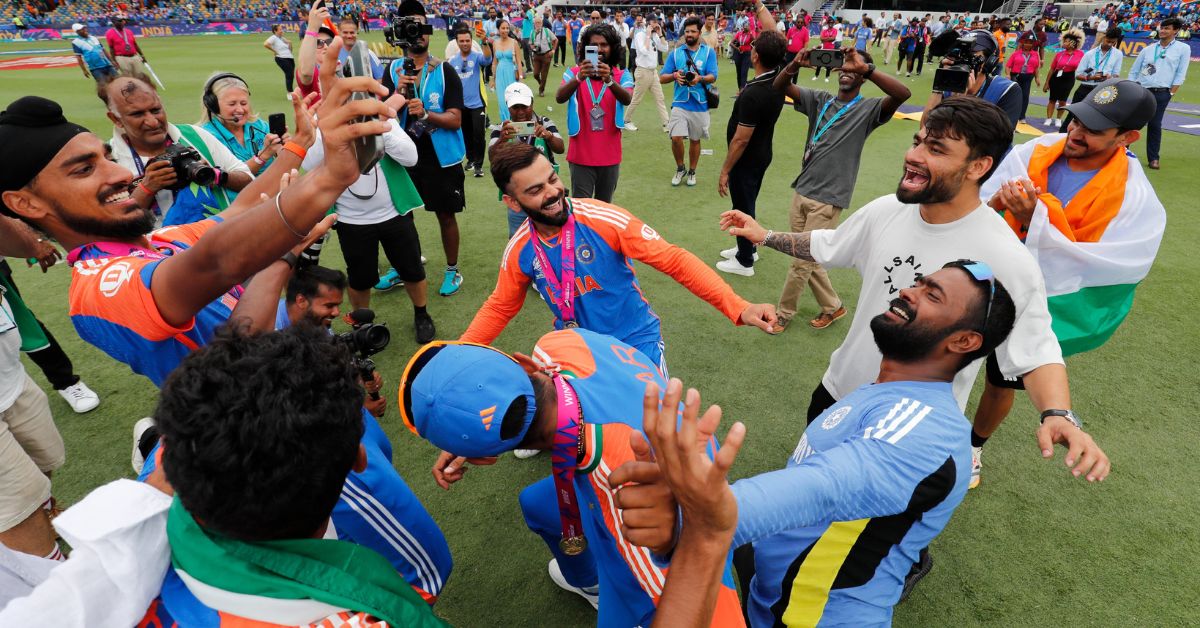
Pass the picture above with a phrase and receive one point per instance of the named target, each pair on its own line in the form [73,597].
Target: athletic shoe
[731,253]
[526,453]
[423,324]
[976,466]
[814,78]
[139,430]
[826,319]
[919,570]
[1049,122]
[591,594]
[691,179]
[423,260]
[467,166]
[80,397]
[826,79]
[664,128]
[451,283]
[909,75]
[389,280]
[478,172]
[629,126]
[678,178]
[735,267]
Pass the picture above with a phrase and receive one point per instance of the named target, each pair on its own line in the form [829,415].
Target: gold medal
[572,545]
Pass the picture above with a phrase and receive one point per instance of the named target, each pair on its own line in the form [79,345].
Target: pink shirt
[1066,61]
[797,39]
[595,148]
[831,34]
[122,43]
[1022,62]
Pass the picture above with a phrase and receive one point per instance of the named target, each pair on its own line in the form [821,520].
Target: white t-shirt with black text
[891,246]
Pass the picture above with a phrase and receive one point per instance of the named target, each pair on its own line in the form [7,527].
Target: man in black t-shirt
[749,133]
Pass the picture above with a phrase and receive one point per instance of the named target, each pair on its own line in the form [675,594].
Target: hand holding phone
[592,54]
[277,124]
[368,149]
[523,128]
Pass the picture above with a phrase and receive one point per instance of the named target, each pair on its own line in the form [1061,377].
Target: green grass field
[1031,547]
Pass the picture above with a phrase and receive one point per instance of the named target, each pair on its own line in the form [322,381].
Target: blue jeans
[1154,129]
[104,75]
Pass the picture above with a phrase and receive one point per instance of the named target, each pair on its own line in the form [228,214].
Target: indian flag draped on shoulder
[1094,250]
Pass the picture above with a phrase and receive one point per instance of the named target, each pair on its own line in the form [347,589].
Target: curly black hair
[259,431]
[610,35]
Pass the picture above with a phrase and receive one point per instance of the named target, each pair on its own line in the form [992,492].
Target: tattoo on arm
[798,245]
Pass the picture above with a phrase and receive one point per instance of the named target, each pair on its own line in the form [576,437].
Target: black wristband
[290,259]
[869,72]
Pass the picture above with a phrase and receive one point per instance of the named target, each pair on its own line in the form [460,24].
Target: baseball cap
[77,27]
[518,94]
[1116,103]
[468,399]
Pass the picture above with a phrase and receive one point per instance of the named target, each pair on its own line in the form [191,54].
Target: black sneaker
[478,172]
[425,329]
[919,570]
[467,166]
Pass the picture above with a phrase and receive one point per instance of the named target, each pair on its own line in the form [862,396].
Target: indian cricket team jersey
[873,480]
[112,307]
[610,378]
[608,297]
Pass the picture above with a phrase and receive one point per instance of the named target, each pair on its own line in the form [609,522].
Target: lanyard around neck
[821,116]
[565,458]
[592,93]
[562,291]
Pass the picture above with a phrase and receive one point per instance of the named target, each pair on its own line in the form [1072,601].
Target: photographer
[982,81]
[693,68]
[150,148]
[648,43]
[596,95]
[543,44]
[377,211]
[433,117]
[838,129]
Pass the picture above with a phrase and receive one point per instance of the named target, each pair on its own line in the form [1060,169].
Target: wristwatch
[1066,414]
[609,81]
[869,72]
[290,259]
[424,115]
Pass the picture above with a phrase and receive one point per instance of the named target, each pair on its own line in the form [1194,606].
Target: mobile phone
[277,124]
[592,54]
[821,58]
[523,128]
[368,149]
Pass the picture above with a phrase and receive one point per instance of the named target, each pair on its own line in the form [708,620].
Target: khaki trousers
[132,66]
[646,80]
[808,215]
[889,46]
[30,447]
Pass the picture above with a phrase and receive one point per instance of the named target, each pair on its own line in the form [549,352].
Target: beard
[907,341]
[936,190]
[420,47]
[132,225]
[691,41]
[536,215]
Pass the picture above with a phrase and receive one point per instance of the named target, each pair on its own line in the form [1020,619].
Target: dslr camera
[365,340]
[689,76]
[188,165]
[406,32]
[956,77]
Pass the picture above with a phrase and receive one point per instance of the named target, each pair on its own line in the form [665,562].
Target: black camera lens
[200,173]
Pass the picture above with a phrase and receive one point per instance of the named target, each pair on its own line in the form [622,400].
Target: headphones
[985,42]
[210,99]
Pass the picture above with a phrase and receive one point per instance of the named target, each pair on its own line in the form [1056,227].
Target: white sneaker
[629,126]
[139,429]
[814,78]
[976,466]
[691,178]
[526,453]
[735,267]
[678,178]
[732,254]
[591,594]
[664,128]
[826,79]
[80,397]
[1051,122]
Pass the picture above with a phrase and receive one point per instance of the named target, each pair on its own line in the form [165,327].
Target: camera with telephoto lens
[406,32]
[188,165]
[365,340]
[960,51]
[689,76]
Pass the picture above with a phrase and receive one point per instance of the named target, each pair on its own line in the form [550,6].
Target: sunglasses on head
[980,272]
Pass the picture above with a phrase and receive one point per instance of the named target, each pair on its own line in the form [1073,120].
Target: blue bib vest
[447,143]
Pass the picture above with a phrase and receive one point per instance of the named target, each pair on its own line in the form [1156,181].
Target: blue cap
[456,395]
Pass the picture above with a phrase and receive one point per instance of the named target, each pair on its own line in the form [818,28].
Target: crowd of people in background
[276,501]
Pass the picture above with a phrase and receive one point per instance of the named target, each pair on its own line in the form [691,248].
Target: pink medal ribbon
[565,457]
[100,250]
[562,292]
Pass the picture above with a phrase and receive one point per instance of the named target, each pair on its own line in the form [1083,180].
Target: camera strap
[562,292]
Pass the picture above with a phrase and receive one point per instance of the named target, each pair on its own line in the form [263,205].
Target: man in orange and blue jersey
[596,287]
[580,396]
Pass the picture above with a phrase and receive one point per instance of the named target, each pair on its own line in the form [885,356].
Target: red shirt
[123,43]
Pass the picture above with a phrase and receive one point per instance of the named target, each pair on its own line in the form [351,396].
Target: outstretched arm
[797,245]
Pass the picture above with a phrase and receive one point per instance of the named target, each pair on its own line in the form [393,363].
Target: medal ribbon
[565,457]
[561,292]
[821,115]
[100,250]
